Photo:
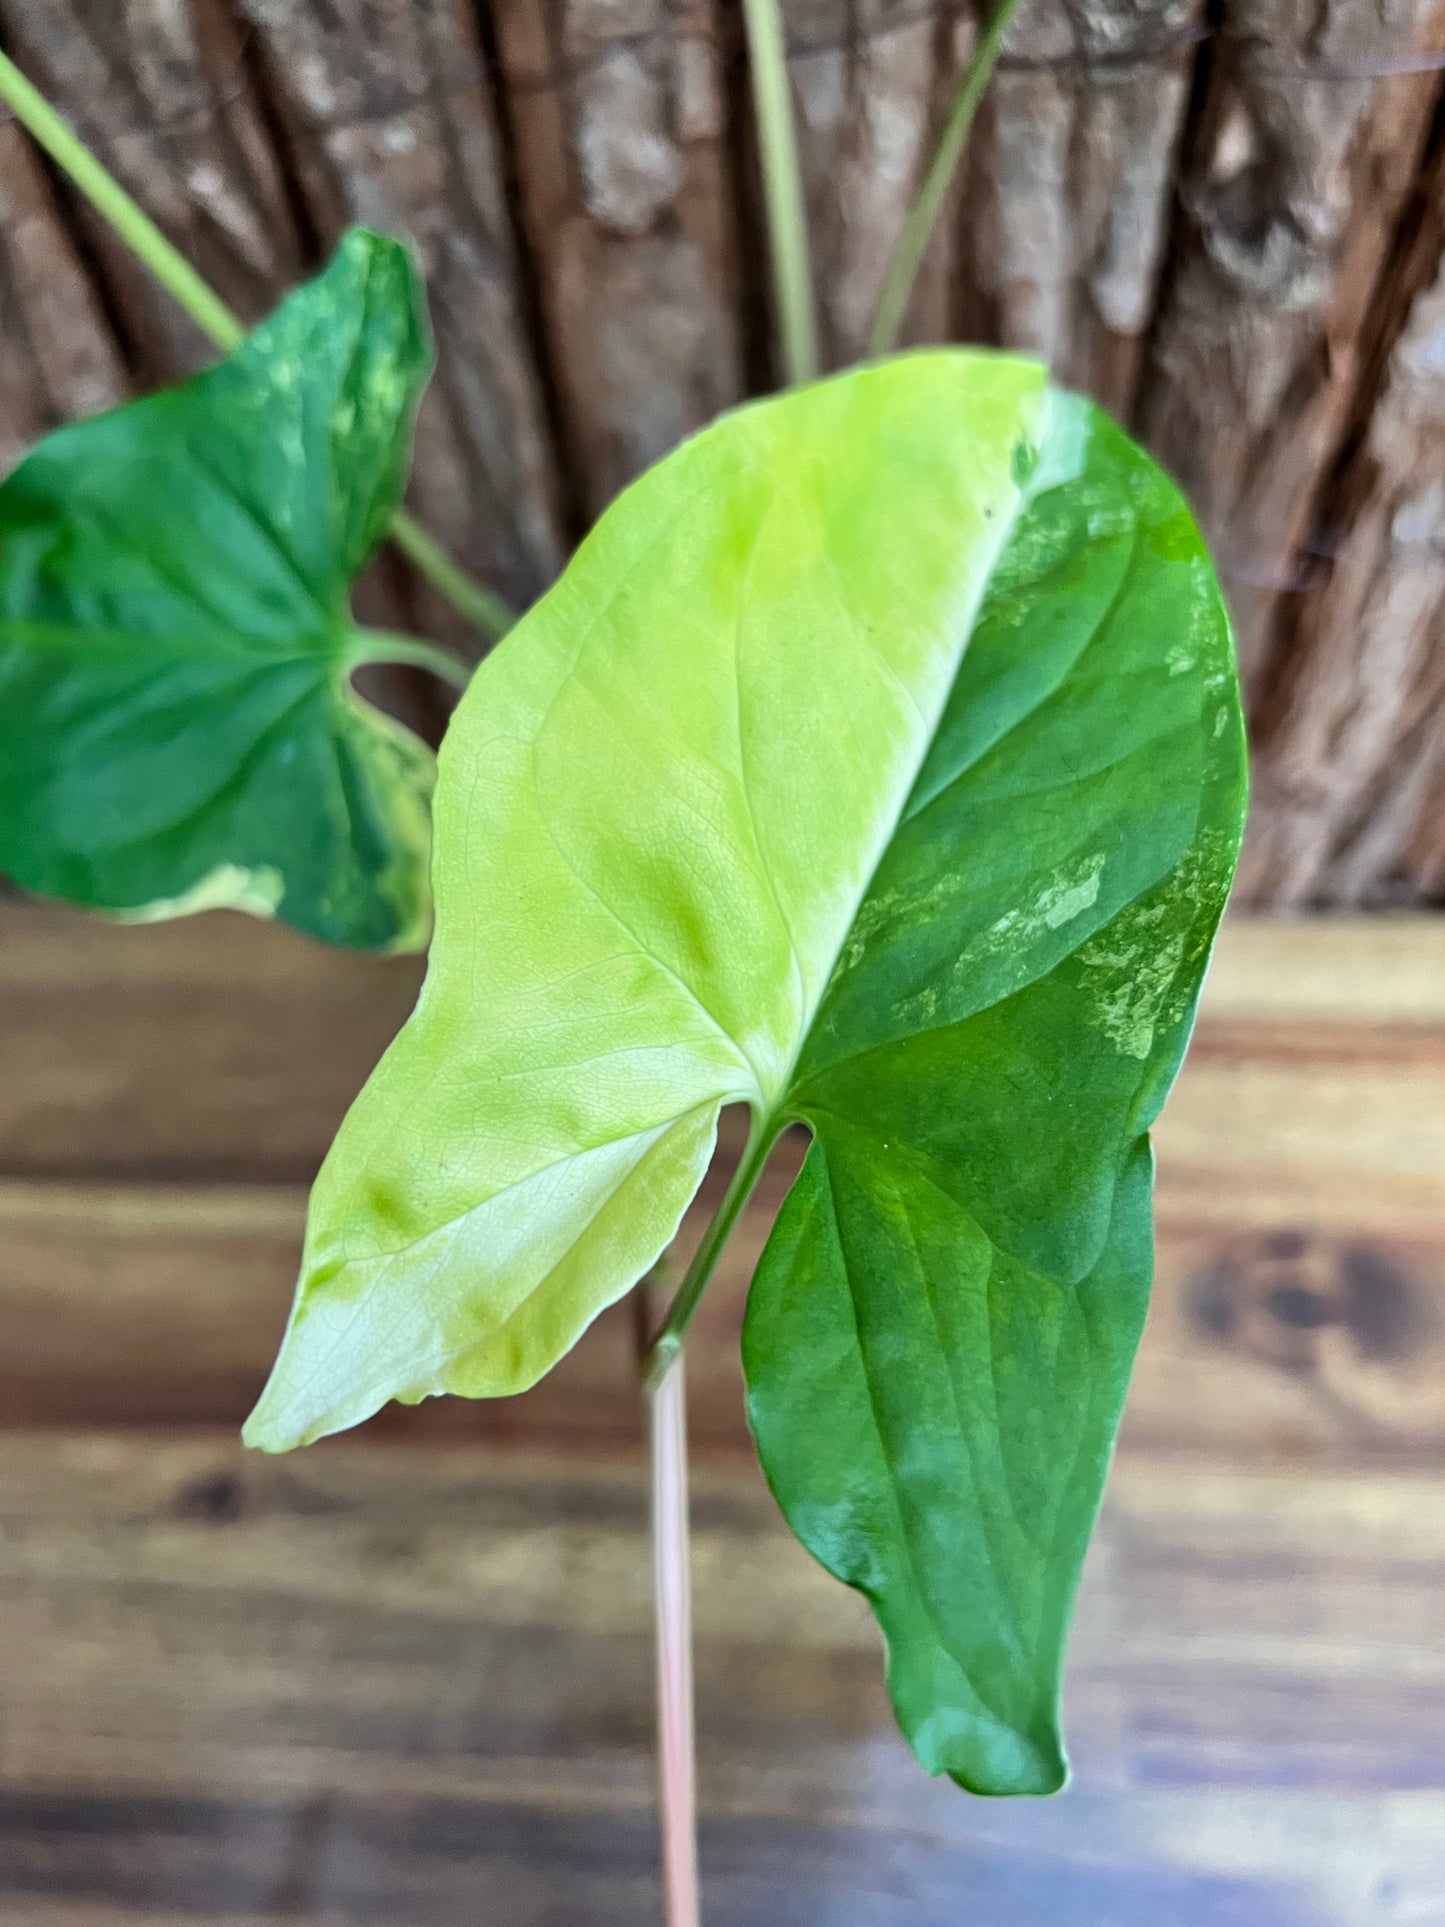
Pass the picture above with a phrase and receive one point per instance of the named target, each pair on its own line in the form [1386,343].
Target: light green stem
[668,1342]
[215,320]
[381,645]
[922,217]
[782,191]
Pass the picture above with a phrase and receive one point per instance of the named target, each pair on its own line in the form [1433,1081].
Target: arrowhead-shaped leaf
[177,726]
[877,763]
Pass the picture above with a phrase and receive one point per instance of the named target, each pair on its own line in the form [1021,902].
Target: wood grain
[1300,1299]
[372,1683]
[214,1047]
[376,1685]
[218,1047]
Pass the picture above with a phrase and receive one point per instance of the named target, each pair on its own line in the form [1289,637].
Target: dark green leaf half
[941,1330]
[177,725]
[876,763]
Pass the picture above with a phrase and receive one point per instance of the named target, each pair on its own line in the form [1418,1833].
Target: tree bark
[162,92]
[389,115]
[1226,228]
[871,82]
[59,359]
[1055,232]
[621,117]
[1072,186]
[1307,147]
[1350,752]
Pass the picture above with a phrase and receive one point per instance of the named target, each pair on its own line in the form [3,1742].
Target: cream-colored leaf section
[228,887]
[658,809]
[421,1340]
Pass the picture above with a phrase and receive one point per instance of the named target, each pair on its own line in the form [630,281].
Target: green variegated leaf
[178,729]
[878,764]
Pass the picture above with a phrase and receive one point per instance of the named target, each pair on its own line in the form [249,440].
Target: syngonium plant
[876,764]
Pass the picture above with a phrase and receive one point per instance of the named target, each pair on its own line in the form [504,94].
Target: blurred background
[405,1677]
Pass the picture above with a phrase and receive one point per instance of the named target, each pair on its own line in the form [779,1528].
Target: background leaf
[877,763]
[177,727]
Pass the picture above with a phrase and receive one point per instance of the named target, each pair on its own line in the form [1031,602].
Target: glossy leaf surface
[877,763]
[940,1333]
[177,726]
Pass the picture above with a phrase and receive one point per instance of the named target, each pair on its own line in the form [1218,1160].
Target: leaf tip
[1012,1763]
[277,1425]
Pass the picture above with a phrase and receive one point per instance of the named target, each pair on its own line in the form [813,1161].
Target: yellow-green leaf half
[178,729]
[878,764]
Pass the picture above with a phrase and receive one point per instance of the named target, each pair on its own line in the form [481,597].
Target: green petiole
[782,192]
[114,205]
[380,645]
[668,1343]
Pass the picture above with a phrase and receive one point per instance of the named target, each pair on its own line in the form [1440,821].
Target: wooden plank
[1300,1298]
[1310,139]
[1275,1328]
[620,119]
[381,1684]
[220,1048]
[163,93]
[143,1305]
[1379,974]
[390,119]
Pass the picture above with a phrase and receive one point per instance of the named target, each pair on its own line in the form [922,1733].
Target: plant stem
[922,217]
[672,1591]
[663,1386]
[782,191]
[381,645]
[211,315]
[482,607]
[668,1342]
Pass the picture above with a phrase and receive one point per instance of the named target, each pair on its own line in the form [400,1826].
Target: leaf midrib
[781,1110]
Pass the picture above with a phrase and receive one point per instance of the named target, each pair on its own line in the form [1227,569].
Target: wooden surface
[373,1685]
[402,1680]
[1222,220]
